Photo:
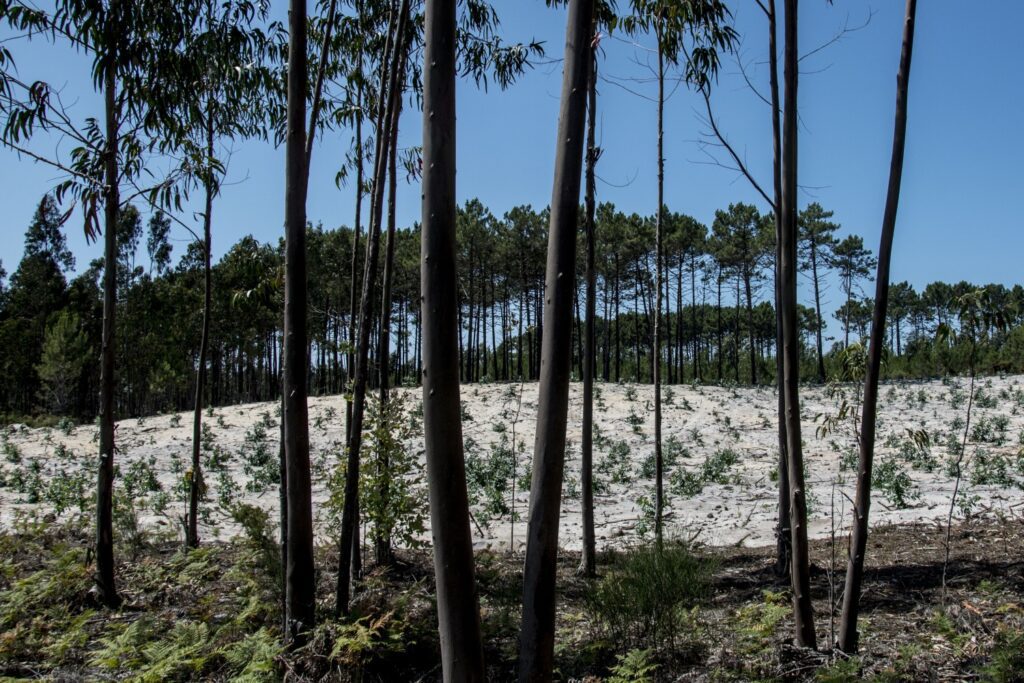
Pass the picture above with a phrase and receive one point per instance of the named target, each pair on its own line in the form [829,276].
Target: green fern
[634,667]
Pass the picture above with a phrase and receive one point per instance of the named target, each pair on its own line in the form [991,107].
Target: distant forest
[719,322]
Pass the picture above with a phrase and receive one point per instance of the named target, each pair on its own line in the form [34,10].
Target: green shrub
[645,597]
[897,486]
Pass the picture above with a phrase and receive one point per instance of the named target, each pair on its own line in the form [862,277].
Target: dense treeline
[716,290]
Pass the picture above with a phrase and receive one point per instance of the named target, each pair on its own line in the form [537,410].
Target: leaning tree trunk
[783,533]
[300,596]
[196,479]
[349,511]
[537,639]
[457,612]
[588,557]
[803,614]
[848,635]
[383,541]
[105,477]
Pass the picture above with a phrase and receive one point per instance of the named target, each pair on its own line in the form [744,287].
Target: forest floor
[720,452]
[213,613]
[715,611]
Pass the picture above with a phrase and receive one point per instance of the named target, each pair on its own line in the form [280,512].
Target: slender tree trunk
[383,541]
[618,323]
[105,476]
[783,532]
[817,309]
[537,639]
[693,316]
[750,328]
[848,635]
[196,479]
[721,354]
[458,615]
[803,614]
[300,597]
[588,557]
[659,466]
[349,520]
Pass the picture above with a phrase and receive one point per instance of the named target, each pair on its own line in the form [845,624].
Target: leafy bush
[989,469]
[645,596]
[892,481]
[392,494]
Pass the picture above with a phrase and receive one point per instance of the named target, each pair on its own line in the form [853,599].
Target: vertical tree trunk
[848,635]
[196,480]
[537,639]
[458,616]
[588,557]
[300,597]
[349,519]
[750,328]
[819,323]
[105,476]
[803,614]
[693,316]
[659,466]
[783,533]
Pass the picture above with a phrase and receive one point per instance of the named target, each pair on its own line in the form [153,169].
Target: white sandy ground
[743,419]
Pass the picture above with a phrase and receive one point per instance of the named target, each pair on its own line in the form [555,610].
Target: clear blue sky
[958,215]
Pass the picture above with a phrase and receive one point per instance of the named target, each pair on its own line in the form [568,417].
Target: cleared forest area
[720,462]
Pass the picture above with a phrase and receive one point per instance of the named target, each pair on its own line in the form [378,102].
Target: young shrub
[392,493]
[645,597]
[893,482]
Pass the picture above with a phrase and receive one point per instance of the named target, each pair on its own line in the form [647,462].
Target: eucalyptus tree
[132,44]
[481,54]
[457,611]
[853,262]
[224,101]
[848,635]
[696,30]
[803,613]
[398,27]
[817,240]
[300,586]
[537,637]
[383,543]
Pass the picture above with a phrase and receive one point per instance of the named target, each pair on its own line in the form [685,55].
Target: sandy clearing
[702,420]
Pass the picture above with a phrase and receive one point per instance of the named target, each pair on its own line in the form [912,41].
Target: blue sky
[958,217]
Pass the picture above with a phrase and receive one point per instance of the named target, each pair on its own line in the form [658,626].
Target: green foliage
[1006,662]
[65,354]
[645,597]
[259,462]
[392,493]
[636,666]
[715,470]
[34,607]
[758,622]
[253,658]
[616,463]
[256,526]
[842,670]
[990,469]
[892,481]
